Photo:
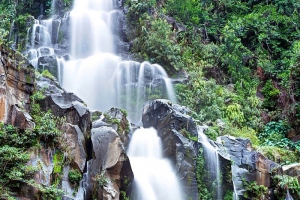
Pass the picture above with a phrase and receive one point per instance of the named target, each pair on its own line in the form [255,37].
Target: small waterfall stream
[155,178]
[212,161]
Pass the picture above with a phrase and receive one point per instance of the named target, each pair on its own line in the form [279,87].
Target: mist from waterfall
[154,176]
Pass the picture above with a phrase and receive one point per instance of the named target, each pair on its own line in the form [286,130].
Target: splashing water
[154,176]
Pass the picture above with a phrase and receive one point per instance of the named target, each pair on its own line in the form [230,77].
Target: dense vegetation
[242,58]
[17,145]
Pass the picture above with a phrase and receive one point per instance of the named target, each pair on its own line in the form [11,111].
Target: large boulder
[75,143]
[109,172]
[64,104]
[171,121]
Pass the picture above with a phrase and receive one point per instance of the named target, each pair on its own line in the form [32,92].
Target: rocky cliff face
[16,86]
[79,142]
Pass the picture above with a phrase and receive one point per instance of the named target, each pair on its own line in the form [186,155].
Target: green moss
[188,135]
[96,115]
[101,179]
[58,162]
[124,112]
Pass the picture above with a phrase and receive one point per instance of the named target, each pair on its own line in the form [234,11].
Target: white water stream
[154,176]
[211,157]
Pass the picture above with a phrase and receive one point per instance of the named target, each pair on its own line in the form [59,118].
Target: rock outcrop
[64,104]
[237,158]
[247,164]
[292,170]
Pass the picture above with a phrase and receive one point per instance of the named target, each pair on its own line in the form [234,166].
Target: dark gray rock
[169,120]
[64,104]
[48,63]
[178,27]
[247,163]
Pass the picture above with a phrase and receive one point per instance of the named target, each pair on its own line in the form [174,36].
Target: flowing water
[212,162]
[103,80]
[154,175]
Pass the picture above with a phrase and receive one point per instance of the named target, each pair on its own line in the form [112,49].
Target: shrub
[74,176]
[254,191]
[284,183]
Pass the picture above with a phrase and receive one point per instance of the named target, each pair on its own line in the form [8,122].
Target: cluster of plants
[284,184]
[202,177]
[276,146]
[242,60]
[254,191]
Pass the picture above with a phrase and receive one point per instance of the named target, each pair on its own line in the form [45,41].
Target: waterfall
[154,176]
[102,79]
[212,163]
[94,72]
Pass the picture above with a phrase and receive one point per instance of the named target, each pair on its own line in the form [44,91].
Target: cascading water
[212,162]
[103,80]
[41,39]
[154,176]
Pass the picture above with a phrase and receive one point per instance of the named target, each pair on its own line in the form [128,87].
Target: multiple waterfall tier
[93,71]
